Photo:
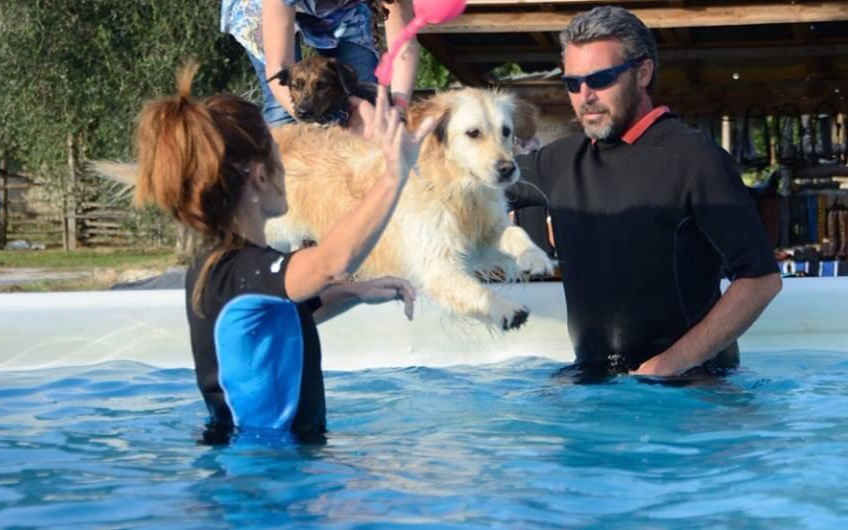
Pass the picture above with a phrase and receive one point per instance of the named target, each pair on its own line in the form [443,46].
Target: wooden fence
[73,214]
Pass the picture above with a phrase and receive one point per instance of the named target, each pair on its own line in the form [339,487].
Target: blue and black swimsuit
[256,354]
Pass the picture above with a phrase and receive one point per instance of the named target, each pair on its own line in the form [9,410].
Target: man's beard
[615,126]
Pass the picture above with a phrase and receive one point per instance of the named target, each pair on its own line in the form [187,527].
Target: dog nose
[304,111]
[505,170]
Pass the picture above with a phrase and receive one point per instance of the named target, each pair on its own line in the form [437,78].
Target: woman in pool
[253,311]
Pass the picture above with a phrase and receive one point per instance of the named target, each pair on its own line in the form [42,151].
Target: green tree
[74,75]
[82,68]
[431,74]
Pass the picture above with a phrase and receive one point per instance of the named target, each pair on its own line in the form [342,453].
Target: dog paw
[535,261]
[511,317]
[515,321]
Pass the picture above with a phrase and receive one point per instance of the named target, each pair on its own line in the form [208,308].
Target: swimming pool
[501,445]
[436,443]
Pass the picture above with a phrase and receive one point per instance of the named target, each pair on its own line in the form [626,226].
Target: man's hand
[659,365]
[734,313]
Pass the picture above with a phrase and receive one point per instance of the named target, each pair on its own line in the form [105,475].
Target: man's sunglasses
[601,78]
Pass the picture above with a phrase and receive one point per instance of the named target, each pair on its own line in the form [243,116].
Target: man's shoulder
[563,148]
[696,153]
[671,130]
[569,141]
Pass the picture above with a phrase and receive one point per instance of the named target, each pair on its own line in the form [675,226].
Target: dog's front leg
[463,294]
[530,259]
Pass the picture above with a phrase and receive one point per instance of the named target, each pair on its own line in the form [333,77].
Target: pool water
[501,445]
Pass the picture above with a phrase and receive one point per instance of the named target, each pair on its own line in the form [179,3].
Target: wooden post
[775,140]
[70,199]
[726,134]
[4,203]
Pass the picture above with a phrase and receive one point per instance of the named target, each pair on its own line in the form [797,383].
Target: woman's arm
[406,62]
[278,44]
[336,299]
[349,242]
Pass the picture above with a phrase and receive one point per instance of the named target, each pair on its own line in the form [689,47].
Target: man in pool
[647,216]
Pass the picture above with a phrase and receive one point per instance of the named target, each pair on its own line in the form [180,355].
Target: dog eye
[298,84]
[506,132]
[473,133]
[320,85]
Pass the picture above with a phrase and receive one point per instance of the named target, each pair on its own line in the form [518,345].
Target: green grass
[41,286]
[101,266]
[87,258]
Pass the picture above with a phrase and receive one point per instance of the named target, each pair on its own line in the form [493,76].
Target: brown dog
[320,89]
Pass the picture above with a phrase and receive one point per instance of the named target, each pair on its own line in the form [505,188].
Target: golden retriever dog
[451,223]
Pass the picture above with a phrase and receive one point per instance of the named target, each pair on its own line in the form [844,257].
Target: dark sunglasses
[601,78]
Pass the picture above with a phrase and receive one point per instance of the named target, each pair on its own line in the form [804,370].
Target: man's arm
[725,214]
[742,303]
[529,189]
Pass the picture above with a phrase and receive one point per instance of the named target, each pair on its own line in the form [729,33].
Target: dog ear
[282,77]
[524,118]
[434,108]
[347,76]
[441,130]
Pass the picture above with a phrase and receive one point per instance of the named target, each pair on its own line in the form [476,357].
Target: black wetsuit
[644,233]
[251,270]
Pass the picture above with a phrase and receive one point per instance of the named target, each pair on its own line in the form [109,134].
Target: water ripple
[502,445]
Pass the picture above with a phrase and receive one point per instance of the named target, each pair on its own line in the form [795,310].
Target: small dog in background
[320,89]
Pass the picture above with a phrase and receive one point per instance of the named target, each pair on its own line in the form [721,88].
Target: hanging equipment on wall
[821,133]
[756,139]
[789,130]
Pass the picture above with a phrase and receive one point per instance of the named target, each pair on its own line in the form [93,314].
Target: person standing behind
[648,214]
[271,32]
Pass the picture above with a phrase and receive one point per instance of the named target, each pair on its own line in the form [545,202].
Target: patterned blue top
[320,23]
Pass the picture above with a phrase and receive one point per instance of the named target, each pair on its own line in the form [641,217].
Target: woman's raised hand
[399,146]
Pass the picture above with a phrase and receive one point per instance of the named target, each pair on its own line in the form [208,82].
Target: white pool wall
[40,330]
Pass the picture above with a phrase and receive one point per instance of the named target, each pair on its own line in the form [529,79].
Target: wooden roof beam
[545,40]
[440,50]
[654,17]
[704,101]
[586,3]
[466,55]
[818,67]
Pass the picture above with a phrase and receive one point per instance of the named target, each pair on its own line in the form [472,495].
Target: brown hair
[193,159]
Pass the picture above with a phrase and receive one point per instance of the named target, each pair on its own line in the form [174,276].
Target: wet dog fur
[451,221]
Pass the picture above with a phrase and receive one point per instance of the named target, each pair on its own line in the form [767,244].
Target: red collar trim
[645,122]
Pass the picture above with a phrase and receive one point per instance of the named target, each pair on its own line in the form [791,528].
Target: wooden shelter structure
[717,57]
[767,79]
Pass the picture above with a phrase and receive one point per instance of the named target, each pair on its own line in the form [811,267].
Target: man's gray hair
[610,21]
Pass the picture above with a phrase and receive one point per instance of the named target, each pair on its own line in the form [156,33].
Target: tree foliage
[82,68]
[431,73]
